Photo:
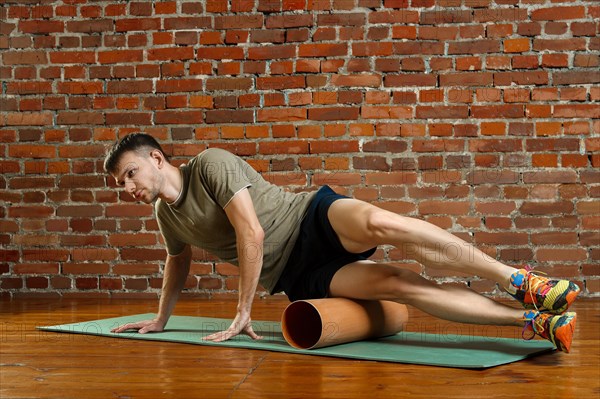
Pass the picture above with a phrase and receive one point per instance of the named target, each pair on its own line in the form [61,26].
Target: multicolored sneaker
[558,329]
[541,293]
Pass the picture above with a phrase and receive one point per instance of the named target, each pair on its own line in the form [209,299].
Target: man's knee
[402,285]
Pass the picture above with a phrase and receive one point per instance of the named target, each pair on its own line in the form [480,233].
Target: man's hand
[142,327]
[241,324]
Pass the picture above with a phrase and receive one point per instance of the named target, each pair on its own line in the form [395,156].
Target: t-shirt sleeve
[174,246]
[224,174]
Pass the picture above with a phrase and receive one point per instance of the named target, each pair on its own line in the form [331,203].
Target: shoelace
[533,285]
[530,323]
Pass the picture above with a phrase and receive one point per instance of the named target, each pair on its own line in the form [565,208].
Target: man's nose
[130,187]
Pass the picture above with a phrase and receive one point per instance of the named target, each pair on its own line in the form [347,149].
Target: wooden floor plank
[48,365]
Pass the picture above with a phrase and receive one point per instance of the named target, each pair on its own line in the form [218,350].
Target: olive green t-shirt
[210,181]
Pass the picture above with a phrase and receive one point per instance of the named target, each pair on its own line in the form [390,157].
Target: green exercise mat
[447,350]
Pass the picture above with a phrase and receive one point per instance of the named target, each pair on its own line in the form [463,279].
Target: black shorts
[317,254]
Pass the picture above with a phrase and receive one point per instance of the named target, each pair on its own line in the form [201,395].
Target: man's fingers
[230,333]
[219,336]
[251,333]
[141,327]
[124,327]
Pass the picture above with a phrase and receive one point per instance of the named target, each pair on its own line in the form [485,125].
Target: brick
[36,282]
[538,111]
[551,144]
[391,178]
[568,176]
[7,283]
[570,78]
[225,116]
[333,113]
[439,17]
[45,255]
[31,182]
[79,118]
[410,80]
[178,85]
[497,111]
[280,83]
[41,26]
[510,238]
[588,207]
[287,147]
[170,54]
[441,112]
[128,211]
[322,50]
[247,21]
[289,21]
[217,53]
[213,84]
[24,57]
[336,179]
[129,87]
[500,14]
[278,115]
[80,151]
[520,45]
[574,44]
[79,211]
[137,24]
[443,207]
[372,49]
[558,13]
[546,208]
[28,119]
[90,26]
[495,145]
[474,47]
[561,255]
[574,160]
[120,56]
[318,147]
[371,163]
[356,80]
[576,111]
[32,151]
[493,176]
[80,87]
[271,52]
[29,88]
[386,112]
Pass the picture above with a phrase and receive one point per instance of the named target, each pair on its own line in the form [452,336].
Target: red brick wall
[480,116]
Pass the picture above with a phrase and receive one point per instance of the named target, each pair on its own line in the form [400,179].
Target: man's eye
[131,173]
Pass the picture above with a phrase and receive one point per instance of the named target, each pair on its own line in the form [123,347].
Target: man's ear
[158,158]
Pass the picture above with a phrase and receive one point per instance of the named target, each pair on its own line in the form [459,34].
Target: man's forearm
[250,253]
[176,271]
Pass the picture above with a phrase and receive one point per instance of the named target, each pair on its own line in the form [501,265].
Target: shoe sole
[555,294]
[563,336]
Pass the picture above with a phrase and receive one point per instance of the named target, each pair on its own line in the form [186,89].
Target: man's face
[139,175]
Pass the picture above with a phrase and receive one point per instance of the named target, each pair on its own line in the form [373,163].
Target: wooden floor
[36,364]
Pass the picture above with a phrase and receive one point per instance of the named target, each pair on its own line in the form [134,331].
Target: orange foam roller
[316,323]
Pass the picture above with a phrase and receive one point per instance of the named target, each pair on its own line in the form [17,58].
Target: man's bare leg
[377,281]
[361,226]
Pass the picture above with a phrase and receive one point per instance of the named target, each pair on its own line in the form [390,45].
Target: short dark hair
[131,142]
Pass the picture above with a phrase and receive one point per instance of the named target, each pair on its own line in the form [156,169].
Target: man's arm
[176,272]
[249,239]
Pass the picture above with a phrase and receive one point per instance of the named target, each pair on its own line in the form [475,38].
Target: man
[313,245]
